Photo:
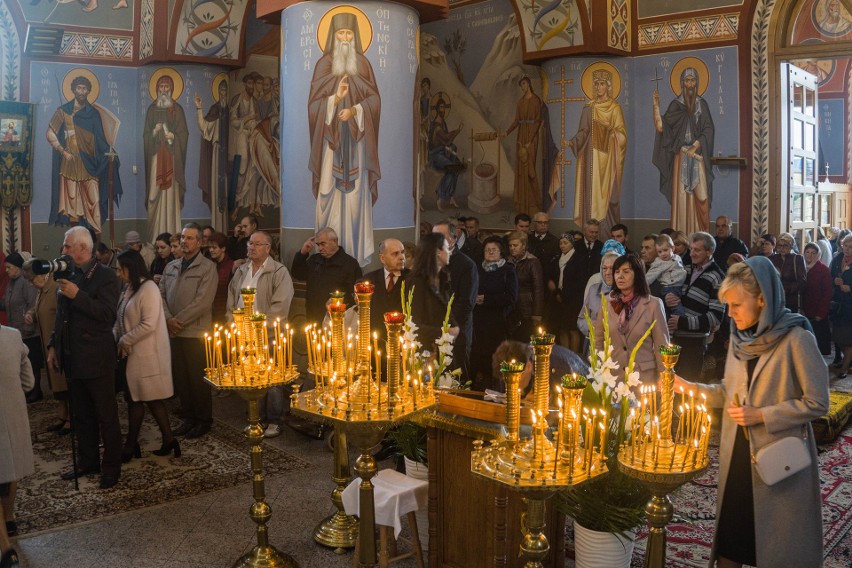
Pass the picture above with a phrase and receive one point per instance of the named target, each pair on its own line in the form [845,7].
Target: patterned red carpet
[217,461]
[691,531]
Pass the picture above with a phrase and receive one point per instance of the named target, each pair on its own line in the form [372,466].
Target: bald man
[387,280]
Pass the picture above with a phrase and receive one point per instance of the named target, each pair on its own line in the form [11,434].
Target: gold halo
[433,102]
[214,86]
[176,78]
[80,72]
[587,83]
[698,65]
[365,27]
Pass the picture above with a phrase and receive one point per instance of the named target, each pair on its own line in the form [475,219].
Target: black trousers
[94,407]
[188,362]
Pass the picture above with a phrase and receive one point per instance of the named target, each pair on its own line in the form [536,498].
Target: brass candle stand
[348,397]
[661,461]
[538,467]
[240,358]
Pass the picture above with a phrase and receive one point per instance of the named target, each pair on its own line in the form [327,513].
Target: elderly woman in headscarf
[598,284]
[775,383]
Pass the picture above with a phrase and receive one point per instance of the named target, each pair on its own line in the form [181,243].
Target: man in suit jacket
[82,345]
[468,245]
[464,279]
[589,247]
[388,283]
[543,244]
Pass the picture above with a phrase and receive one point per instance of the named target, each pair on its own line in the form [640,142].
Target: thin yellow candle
[571,443]
[414,393]
[379,367]
[535,444]
[603,438]
[558,452]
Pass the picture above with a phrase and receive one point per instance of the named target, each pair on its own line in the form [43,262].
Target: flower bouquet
[614,502]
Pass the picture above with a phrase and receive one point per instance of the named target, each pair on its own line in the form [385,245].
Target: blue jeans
[677,291]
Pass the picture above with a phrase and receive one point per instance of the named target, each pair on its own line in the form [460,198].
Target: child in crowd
[668,269]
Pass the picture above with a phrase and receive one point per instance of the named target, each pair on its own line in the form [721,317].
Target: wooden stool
[388,552]
[396,496]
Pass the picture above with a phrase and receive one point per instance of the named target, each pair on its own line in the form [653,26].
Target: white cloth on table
[394,494]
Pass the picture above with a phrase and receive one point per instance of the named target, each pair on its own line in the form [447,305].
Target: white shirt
[250,279]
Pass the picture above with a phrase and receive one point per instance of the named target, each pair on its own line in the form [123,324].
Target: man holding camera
[82,345]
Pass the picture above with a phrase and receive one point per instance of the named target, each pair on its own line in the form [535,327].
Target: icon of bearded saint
[343,120]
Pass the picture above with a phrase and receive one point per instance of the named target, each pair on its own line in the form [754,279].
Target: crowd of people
[133,320]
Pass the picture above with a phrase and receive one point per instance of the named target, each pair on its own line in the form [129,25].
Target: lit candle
[557,453]
[603,438]
[571,442]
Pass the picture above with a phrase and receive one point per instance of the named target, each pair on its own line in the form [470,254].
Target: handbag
[785,457]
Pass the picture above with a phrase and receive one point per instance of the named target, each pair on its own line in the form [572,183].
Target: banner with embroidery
[16,151]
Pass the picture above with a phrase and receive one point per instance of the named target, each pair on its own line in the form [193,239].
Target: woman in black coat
[431,286]
[495,301]
[566,284]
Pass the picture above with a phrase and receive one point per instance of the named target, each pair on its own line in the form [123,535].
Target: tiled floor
[212,530]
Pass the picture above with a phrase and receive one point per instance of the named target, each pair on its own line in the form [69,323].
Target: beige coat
[274,291]
[189,296]
[45,315]
[648,361]
[16,376]
[790,386]
[149,364]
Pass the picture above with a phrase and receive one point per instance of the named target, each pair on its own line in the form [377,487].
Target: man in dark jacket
[543,244]
[464,279]
[329,270]
[83,347]
[589,247]
[726,243]
[388,282]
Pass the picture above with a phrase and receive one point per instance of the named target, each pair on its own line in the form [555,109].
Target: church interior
[597,78]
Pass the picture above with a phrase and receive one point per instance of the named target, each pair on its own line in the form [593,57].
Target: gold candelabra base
[263,555]
[365,426]
[662,476]
[339,531]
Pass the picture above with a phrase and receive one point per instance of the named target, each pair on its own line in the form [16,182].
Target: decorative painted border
[618,19]
[760,117]
[10,75]
[10,56]
[97,46]
[701,29]
[146,29]
[848,130]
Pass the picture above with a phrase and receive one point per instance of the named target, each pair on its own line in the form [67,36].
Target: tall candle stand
[538,467]
[338,531]
[358,405]
[658,459]
[240,358]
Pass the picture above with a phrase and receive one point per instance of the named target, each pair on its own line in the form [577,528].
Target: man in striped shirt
[700,298]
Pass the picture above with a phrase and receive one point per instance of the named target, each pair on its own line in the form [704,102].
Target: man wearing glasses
[274,292]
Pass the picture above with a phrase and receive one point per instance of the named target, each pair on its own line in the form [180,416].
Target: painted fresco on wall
[165,137]
[254,142]
[211,28]
[214,170]
[822,20]
[831,18]
[683,146]
[549,25]
[85,177]
[653,8]
[16,145]
[348,167]
[101,14]
[697,190]
[600,147]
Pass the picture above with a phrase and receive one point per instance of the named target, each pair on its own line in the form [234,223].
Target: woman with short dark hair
[143,345]
[163,246]
[631,310]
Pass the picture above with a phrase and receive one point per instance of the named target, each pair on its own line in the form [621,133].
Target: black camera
[62,267]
